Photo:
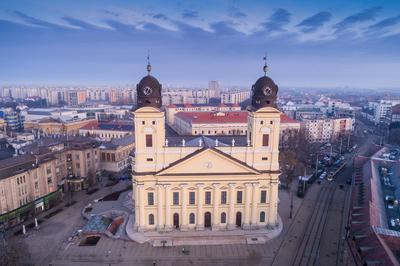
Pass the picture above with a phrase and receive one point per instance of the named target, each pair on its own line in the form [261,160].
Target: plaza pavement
[50,244]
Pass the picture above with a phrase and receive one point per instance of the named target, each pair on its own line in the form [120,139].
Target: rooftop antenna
[148,63]
[265,68]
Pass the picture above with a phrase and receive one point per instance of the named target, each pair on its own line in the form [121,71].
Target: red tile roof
[222,117]
[213,117]
[396,109]
[286,119]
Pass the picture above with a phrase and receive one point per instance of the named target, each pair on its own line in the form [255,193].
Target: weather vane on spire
[148,62]
[265,68]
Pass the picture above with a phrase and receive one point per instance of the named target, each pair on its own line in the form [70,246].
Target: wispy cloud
[278,20]
[364,16]
[311,24]
[236,12]
[190,14]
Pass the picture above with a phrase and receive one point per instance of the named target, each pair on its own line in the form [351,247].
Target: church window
[223,197]
[208,197]
[175,197]
[150,198]
[192,197]
[263,196]
[239,197]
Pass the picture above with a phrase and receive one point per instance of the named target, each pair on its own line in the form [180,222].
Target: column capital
[200,185]
[166,186]
[183,185]
[216,185]
[140,185]
[232,184]
[256,184]
[248,184]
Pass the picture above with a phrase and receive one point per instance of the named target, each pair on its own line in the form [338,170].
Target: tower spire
[148,63]
[265,68]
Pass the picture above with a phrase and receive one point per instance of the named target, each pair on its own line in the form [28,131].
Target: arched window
[262,217]
[191,218]
[151,219]
[223,218]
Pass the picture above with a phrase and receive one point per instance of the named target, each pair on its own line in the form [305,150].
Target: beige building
[57,126]
[115,154]
[202,183]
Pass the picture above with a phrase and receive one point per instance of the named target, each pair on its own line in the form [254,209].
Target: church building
[195,183]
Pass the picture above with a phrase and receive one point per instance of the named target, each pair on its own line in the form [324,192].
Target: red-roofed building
[225,123]
[172,109]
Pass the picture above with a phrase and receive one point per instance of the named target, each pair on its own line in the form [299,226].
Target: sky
[311,43]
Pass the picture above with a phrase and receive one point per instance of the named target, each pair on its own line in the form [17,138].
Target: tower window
[143,122]
[153,122]
[149,140]
[271,122]
[265,141]
[261,122]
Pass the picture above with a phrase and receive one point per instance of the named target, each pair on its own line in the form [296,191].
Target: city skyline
[335,44]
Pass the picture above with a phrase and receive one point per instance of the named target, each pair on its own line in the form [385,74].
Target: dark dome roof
[149,92]
[261,97]
[149,81]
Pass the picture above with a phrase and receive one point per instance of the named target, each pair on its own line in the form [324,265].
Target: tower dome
[264,92]
[148,91]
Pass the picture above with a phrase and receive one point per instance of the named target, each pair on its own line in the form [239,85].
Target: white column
[168,218]
[160,214]
[184,224]
[273,204]
[135,197]
[216,201]
[142,214]
[200,216]
[231,213]
[247,201]
[254,205]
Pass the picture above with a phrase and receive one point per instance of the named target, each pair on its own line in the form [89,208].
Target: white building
[328,129]
[235,96]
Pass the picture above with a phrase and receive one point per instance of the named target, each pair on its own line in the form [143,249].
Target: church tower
[264,124]
[149,123]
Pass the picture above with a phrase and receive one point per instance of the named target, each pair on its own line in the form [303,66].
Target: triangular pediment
[207,161]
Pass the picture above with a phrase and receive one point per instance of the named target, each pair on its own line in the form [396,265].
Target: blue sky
[308,43]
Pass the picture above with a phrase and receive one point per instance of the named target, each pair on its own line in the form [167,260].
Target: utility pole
[316,165]
[348,141]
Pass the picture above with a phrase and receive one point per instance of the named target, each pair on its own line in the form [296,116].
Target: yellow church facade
[184,183]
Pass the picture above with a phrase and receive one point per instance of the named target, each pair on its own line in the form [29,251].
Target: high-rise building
[213,87]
